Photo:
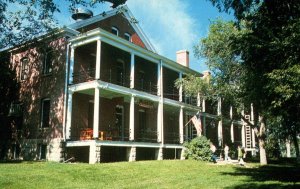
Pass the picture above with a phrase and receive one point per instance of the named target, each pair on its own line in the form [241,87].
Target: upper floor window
[24,68]
[45,114]
[48,62]
[115,31]
[127,36]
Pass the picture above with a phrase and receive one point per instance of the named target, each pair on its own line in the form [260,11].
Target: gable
[122,19]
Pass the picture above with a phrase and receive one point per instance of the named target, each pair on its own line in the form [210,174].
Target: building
[98,91]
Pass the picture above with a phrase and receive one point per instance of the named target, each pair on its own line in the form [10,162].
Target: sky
[170,25]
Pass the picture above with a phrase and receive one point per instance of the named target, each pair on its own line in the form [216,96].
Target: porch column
[69,115]
[160,122]
[198,100]
[220,133]
[182,157]
[160,112]
[181,125]
[180,88]
[132,64]
[252,121]
[231,126]
[159,79]
[98,60]
[131,119]
[159,153]
[131,154]
[71,71]
[96,113]
[243,130]
[94,153]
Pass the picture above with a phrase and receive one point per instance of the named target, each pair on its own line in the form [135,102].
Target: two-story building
[98,91]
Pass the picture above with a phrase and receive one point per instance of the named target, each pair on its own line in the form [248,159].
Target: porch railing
[171,138]
[145,135]
[171,93]
[146,86]
[110,75]
[84,75]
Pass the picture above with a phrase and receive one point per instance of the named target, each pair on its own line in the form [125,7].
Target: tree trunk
[295,140]
[262,152]
[261,139]
[288,148]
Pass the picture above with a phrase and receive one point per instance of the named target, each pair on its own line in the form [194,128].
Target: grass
[147,174]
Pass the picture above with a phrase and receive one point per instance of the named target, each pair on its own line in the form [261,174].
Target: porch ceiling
[103,93]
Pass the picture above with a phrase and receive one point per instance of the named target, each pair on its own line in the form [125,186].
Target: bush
[198,149]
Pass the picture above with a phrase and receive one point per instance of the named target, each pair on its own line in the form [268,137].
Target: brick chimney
[182,57]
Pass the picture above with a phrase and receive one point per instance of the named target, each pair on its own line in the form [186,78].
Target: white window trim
[116,29]
[128,35]
[42,111]
[44,63]
[25,71]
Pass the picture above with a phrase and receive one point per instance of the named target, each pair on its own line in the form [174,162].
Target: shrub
[198,149]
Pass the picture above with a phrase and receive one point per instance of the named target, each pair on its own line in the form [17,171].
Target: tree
[34,18]
[270,56]
[9,93]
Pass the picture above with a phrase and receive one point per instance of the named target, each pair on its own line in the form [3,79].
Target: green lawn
[147,174]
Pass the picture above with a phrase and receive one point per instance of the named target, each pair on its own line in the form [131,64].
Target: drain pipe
[66,92]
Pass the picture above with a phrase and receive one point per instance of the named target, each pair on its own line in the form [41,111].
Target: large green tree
[24,20]
[269,52]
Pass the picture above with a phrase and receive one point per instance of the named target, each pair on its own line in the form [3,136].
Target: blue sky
[171,25]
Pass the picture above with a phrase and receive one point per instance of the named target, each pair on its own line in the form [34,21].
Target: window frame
[113,28]
[24,68]
[48,64]
[127,35]
[43,121]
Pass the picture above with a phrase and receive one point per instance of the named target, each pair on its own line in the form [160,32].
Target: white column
[96,113]
[132,64]
[220,133]
[98,60]
[203,105]
[159,122]
[159,154]
[198,100]
[231,126]
[252,121]
[181,125]
[180,88]
[159,79]
[243,129]
[71,65]
[92,153]
[160,112]
[131,153]
[69,115]
[131,119]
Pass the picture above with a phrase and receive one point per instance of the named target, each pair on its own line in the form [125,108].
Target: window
[45,116]
[127,36]
[115,31]
[24,68]
[48,62]
[42,151]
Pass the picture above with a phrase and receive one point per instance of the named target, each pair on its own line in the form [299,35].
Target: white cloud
[167,24]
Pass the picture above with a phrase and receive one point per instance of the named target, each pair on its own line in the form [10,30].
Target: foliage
[33,18]
[272,146]
[8,84]
[198,149]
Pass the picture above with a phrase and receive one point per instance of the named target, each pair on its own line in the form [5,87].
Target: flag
[197,124]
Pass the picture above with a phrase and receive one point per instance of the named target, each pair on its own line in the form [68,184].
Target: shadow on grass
[270,176]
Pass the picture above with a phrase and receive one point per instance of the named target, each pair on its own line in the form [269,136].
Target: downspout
[66,91]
